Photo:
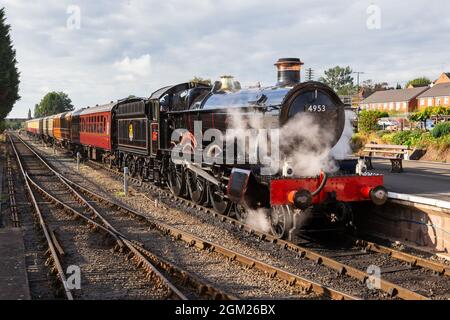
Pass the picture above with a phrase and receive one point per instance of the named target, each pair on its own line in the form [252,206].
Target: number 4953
[317,108]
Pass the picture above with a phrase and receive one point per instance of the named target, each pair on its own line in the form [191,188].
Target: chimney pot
[288,71]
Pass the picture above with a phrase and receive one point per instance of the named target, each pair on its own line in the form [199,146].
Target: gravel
[206,226]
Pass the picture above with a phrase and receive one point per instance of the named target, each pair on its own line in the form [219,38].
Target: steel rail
[141,260]
[390,288]
[51,246]
[192,240]
[413,260]
[232,255]
[137,251]
[12,198]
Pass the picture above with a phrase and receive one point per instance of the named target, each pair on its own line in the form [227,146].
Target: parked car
[429,125]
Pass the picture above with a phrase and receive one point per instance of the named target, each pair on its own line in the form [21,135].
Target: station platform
[13,273]
[419,178]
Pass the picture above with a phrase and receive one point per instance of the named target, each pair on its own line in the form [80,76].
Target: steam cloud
[303,143]
[258,219]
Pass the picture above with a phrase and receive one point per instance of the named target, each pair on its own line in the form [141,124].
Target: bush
[407,138]
[368,120]
[441,129]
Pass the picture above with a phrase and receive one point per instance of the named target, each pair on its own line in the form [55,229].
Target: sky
[98,51]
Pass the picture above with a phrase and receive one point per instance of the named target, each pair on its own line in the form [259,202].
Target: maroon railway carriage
[95,127]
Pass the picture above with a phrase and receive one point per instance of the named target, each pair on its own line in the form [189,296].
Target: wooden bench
[394,153]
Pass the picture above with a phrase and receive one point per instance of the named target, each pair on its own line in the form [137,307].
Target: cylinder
[288,71]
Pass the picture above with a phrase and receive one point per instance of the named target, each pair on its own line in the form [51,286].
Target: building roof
[394,95]
[97,109]
[438,90]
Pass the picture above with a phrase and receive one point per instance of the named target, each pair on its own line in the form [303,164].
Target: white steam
[343,149]
[258,220]
[303,143]
[307,146]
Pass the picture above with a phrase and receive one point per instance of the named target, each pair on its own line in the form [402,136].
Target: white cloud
[134,67]
[135,47]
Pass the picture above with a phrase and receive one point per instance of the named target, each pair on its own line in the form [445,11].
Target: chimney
[288,70]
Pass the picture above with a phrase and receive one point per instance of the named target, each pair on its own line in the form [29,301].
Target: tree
[29,114]
[9,76]
[368,120]
[201,80]
[36,111]
[339,79]
[53,103]
[398,87]
[419,82]
[370,87]
[421,116]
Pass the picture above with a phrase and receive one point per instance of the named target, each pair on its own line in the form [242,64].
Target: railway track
[325,258]
[398,263]
[59,244]
[93,200]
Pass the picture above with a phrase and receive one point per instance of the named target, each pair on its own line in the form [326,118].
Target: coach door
[154,128]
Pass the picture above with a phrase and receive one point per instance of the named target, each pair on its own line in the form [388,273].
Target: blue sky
[128,47]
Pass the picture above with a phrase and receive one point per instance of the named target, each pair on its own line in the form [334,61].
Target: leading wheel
[281,221]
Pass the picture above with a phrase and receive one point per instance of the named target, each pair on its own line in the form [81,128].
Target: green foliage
[441,129]
[368,120]
[407,138]
[422,81]
[9,76]
[414,138]
[340,79]
[440,111]
[29,114]
[422,116]
[12,125]
[53,103]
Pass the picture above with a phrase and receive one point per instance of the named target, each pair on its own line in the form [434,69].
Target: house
[354,100]
[399,101]
[438,95]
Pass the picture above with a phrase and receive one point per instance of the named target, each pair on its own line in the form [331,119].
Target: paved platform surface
[424,179]
[13,274]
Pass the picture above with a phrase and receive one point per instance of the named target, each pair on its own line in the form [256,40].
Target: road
[425,179]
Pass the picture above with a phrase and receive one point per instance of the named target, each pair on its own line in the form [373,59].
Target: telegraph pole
[309,74]
[357,78]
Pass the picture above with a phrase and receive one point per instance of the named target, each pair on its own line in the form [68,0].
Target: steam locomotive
[180,137]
